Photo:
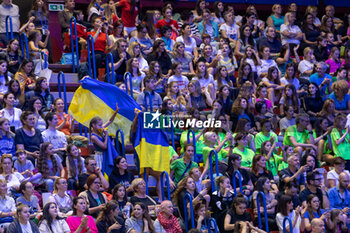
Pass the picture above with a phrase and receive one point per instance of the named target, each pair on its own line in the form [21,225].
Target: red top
[66,127]
[162,23]
[81,31]
[129,20]
[101,42]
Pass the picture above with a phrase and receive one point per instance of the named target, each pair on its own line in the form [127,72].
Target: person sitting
[291,190]
[78,221]
[139,187]
[91,168]
[109,220]
[22,223]
[180,167]
[300,136]
[286,210]
[7,205]
[75,166]
[339,196]
[317,225]
[222,199]
[333,175]
[166,221]
[50,220]
[140,219]
[29,199]
[149,84]
[60,196]
[94,198]
[314,210]
[293,173]
[12,178]
[313,186]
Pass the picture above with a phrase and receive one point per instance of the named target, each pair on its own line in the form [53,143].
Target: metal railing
[46,63]
[167,184]
[190,132]
[290,225]
[74,41]
[9,35]
[234,182]
[81,130]
[90,42]
[59,76]
[24,47]
[146,180]
[127,74]
[148,94]
[212,181]
[119,131]
[212,220]
[109,59]
[265,210]
[188,199]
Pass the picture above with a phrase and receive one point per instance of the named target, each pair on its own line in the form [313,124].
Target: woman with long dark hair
[75,166]
[51,222]
[108,220]
[246,39]
[120,173]
[160,55]
[140,219]
[285,209]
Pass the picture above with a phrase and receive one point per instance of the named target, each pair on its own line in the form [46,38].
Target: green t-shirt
[272,164]
[248,145]
[179,167]
[247,156]
[260,138]
[172,152]
[199,142]
[343,149]
[221,155]
[300,137]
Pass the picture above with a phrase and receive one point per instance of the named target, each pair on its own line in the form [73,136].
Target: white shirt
[58,226]
[231,30]
[265,65]
[333,175]
[26,228]
[205,82]
[291,215]
[304,66]
[293,29]
[15,118]
[188,47]
[295,82]
[57,138]
[182,81]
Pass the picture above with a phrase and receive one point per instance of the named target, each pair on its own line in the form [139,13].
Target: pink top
[333,65]
[74,222]
[267,101]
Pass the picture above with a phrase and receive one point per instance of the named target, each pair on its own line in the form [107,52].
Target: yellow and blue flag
[95,98]
[152,147]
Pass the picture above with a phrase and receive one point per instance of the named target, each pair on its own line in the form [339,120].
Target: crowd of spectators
[279,86]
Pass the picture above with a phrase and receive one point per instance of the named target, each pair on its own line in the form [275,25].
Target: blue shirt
[215,28]
[314,78]
[340,105]
[336,200]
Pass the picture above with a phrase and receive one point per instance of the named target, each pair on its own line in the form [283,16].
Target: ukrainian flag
[96,98]
[152,147]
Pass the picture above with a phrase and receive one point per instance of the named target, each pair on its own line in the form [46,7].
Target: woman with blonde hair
[290,33]
[63,200]
[134,50]
[139,187]
[22,223]
[179,55]
[198,98]
[276,19]
[340,96]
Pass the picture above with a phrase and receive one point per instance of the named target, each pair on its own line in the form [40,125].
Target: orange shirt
[66,126]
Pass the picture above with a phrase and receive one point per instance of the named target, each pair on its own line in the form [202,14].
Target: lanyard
[43,25]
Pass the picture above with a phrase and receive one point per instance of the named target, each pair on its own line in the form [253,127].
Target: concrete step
[70,77]
[59,67]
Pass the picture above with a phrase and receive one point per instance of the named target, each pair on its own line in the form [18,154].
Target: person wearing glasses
[314,186]
[95,199]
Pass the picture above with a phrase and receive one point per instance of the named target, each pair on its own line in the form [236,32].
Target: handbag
[45,72]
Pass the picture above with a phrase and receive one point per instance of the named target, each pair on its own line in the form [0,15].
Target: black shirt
[255,177]
[103,226]
[288,173]
[312,104]
[122,68]
[236,218]
[306,192]
[164,61]
[275,46]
